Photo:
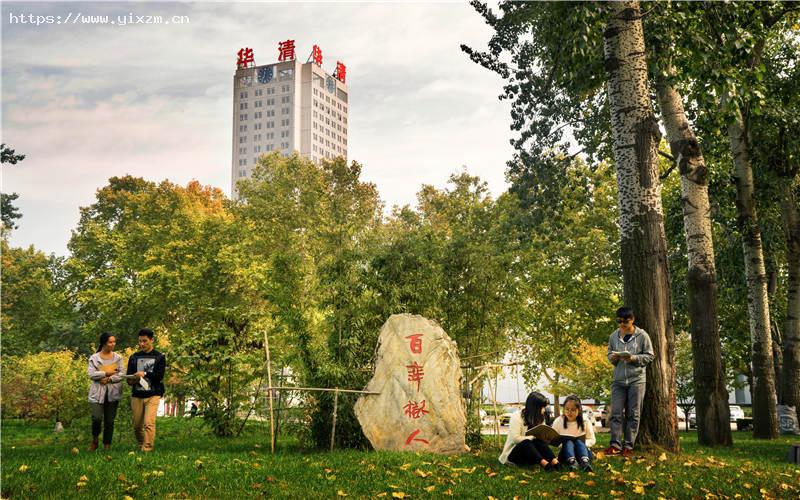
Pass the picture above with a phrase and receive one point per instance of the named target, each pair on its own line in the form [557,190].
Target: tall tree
[710,393]
[9,212]
[643,241]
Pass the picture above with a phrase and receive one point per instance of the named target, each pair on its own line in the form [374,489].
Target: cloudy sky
[86,102]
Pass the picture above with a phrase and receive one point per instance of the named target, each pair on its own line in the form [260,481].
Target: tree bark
[791,330]
[710,395]
[765,420]
[643,242]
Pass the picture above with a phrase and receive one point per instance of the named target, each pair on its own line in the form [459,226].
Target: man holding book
[630,351]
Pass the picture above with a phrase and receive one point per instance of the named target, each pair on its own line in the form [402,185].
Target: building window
[259,104]
[285,99]
[256,149]
[271,135]
[286,74]
[270,112]
[285,88]
[243,117]
[243,95]
[284,145]
[257,126]
[257,138]
[259,92]
[243,162]
[242,128]
[242,139]
[270,147]
[285,111]
[271,101]
[270,124]
[242,105]
[285,122]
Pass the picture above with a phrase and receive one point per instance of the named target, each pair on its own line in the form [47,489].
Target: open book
[550,435]
[622,354]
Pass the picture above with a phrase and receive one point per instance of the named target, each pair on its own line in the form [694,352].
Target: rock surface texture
[418,376]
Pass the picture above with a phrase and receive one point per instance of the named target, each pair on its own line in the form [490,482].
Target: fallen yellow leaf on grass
[381,494]
[600,455]
[398,494]
[662,457]
[83,478]
[747,485]
[522,481]
[341,493]
[430,488]
[74,451]
[508,478]
[422,473]
[23,468]
[638,489]
[491,474]
[405,466]
[590,483]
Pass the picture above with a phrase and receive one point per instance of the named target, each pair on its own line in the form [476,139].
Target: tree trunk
[643,243]
[791,329]
[710,394]
[765,420]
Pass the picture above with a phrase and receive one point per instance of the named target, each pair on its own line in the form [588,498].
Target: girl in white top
[524,450]
[105,371]
[575,451]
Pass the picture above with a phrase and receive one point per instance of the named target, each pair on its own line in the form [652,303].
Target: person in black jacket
[147,366]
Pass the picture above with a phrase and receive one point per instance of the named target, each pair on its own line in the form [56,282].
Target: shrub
[45,386]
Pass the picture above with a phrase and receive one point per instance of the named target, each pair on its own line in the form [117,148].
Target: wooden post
[496,420]
[269,383]
[335,404]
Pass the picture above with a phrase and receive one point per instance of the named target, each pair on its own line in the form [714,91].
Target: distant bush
[45,386]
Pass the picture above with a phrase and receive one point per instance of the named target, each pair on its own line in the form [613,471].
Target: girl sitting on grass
[575,452]
[523,450]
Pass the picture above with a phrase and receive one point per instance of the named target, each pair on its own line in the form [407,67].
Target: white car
[736,412]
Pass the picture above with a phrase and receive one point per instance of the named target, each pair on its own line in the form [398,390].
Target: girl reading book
[577,436]
[105,371]
[522,449]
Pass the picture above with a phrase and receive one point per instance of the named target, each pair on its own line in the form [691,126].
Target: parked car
[505,418]
[603,415]
[692,418]
[736,412]
[680,414]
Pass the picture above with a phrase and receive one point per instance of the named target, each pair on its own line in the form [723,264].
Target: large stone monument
[418,376]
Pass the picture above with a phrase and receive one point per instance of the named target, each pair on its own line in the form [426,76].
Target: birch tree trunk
[765,420]
[643,243]
[710,394]
[791,330]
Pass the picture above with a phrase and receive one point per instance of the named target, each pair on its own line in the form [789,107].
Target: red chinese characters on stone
[413,437]
[415,373]
[286,50]
[245,57]
[316,55]
[415,410]
[415,344]
[341,72]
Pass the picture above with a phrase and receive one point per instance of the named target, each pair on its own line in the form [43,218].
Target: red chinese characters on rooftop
[341,72]
[286,51]
[316,55]
[245,58]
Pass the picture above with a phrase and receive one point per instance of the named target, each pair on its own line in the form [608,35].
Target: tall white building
[286,106]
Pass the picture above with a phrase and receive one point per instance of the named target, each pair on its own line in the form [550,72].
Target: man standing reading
[147,366]
[630,351]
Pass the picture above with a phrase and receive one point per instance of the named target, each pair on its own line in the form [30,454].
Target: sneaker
[627,453]
[573,466]
[586,467]
[92,446]
[612,450]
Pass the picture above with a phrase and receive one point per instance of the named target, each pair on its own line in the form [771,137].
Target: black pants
[530,452]
[104,412]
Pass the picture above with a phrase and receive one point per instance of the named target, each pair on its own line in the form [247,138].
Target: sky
[86,102]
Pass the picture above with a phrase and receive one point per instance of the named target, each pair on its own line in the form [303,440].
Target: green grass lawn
[189,463]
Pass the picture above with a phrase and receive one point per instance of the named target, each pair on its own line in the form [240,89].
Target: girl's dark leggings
[104,413]
[530,452]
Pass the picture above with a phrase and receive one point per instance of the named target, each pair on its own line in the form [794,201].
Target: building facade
[289,107]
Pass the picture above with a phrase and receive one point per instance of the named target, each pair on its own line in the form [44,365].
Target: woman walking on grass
[105,370]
